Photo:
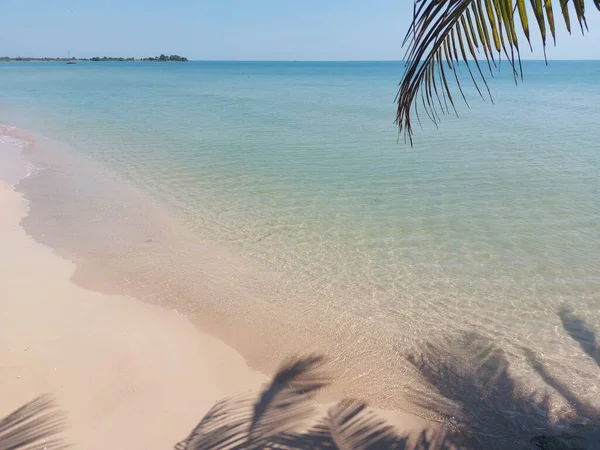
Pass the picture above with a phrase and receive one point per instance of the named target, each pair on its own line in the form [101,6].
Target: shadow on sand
[283,418]
[34,426]
[580,332]
[470,386]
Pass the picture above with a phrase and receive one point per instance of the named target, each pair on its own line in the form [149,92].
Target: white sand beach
[127,374]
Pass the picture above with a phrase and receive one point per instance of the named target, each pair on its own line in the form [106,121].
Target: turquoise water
[491,223]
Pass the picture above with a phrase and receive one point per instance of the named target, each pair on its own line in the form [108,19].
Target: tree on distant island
[28,59]
[444,32]
[164,57]
[105,58]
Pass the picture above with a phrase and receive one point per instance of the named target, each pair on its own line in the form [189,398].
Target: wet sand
[127,374]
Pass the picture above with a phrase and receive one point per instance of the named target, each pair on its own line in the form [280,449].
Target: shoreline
[238,196]
[123,241]
[127,373]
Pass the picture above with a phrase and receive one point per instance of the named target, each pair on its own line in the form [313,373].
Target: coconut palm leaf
[34,426]
[446,34]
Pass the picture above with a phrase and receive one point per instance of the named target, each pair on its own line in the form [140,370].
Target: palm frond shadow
[245,423]
[283,417]
[351,425]
[580,332]
[471,388]
[34,426]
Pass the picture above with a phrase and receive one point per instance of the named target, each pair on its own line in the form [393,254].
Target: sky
[232,29]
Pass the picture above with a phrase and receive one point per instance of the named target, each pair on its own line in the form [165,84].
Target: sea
[276,205]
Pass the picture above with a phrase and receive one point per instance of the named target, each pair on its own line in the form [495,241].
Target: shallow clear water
[491,223]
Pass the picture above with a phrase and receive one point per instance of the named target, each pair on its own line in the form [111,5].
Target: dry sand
[128,374]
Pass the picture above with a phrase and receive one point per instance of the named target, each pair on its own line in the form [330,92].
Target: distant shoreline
[160,58]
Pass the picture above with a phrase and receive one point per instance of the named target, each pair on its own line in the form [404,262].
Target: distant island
[167,58]
[160,58]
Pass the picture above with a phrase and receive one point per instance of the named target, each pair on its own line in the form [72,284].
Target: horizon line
[287,60]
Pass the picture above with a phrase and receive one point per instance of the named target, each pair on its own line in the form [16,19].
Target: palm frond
[34,426]
[469,33]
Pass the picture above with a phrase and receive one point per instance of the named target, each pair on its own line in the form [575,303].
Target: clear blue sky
[230,29]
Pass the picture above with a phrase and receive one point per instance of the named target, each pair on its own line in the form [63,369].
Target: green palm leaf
[468,32]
